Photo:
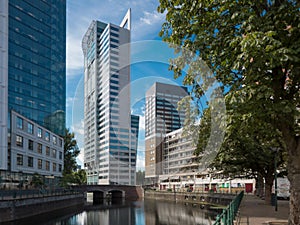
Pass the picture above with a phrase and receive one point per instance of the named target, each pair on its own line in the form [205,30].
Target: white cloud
[78,128]
[69,101]
[74,53]
[80,157]
[152,18]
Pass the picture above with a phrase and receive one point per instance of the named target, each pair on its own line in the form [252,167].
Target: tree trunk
[268,187]
[293,146]
[260,186]
[294,178]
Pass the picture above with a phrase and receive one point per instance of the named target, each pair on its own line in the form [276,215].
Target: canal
[148,212]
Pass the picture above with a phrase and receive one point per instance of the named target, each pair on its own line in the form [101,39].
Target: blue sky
[149,56]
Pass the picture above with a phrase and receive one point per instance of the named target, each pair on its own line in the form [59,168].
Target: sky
[149,57]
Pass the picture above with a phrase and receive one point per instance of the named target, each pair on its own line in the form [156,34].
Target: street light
[275,150]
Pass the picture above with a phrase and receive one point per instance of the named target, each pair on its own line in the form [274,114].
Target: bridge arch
[116,194]
[98,196]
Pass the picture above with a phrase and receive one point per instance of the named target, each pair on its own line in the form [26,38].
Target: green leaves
[71,151]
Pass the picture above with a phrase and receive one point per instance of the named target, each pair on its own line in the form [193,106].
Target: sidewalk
[254,211]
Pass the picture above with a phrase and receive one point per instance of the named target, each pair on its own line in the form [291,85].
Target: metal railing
[37,193]
[228,215]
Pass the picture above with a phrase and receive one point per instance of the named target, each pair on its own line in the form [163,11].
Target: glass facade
[110,136]
[37,56]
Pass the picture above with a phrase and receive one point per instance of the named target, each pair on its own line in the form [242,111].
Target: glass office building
[36,61]
[110,133]
[32,69]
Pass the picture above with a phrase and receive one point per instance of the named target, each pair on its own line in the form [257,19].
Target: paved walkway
[254,211]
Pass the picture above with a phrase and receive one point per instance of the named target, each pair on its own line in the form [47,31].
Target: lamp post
[275,150]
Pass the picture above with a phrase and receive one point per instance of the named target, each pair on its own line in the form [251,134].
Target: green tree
[80,177]
[246,150]
[37,180]
[253,50]
[71,151]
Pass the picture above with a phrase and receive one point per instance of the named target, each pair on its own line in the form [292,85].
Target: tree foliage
[253,49]
[37,180]
[71,151]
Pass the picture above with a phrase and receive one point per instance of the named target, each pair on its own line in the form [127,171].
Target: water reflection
[158,212]
[148,212]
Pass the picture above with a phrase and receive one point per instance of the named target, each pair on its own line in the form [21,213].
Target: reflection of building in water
[116,216]
[158,212]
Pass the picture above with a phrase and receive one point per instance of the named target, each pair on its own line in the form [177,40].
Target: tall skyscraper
[161,117]
[109,139]
[33,71]
[37,61]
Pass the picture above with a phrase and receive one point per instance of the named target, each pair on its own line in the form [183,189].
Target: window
[60,155]
[39,148]
[54,153]
[47,136]
[19,123]
[30,128]
[54,167]
[30,161]
[30,144]
[19,160]
[19,141]
[40,164]
[54,139]
[59,168]
[47,151]
[60,142]
[39,132]
[47,165]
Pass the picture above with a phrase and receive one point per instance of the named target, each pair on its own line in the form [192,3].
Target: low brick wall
[22,208]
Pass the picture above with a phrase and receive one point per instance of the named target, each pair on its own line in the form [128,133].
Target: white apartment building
[181,169]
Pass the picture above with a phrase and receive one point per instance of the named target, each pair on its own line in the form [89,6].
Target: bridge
[101,192]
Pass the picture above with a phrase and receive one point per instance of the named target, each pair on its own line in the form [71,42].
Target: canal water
[148,212]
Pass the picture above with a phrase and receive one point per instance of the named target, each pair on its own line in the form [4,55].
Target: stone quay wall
[211,198]
[17,209]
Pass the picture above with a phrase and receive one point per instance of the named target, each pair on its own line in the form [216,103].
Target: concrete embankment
[17,209]
[210,198]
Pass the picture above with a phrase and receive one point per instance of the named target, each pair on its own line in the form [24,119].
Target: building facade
[32,67]
[37,61]
[182,171]
[110,145]
[3,83]
[33,149]
[161,117]
[178,154]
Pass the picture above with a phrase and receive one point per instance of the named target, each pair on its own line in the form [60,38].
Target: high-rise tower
[32,82]
[161,117]
[109,139]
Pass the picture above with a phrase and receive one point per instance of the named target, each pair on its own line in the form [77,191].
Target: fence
[228,215]
[38,193]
